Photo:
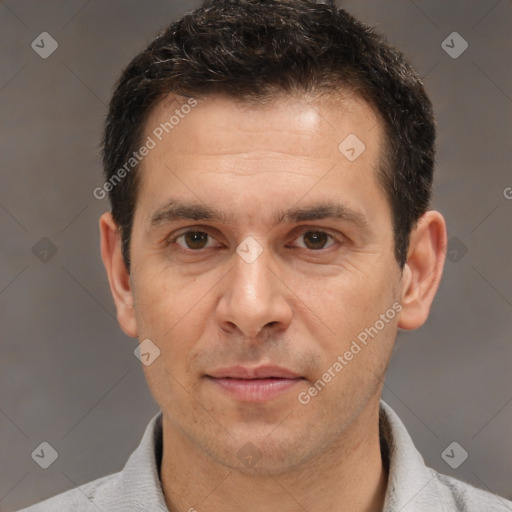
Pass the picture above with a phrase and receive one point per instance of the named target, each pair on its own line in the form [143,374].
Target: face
[263,269]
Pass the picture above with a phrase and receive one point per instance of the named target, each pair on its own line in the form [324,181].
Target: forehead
[227,146]
[218,122]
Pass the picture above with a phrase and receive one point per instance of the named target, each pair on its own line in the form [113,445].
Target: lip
[258,372]
[254,384]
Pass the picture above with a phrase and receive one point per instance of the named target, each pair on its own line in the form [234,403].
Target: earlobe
[423,269]
[118,276]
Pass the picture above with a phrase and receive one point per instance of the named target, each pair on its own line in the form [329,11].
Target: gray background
[68,375]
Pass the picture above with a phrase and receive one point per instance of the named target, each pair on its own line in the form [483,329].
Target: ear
[118,276]
[423,269]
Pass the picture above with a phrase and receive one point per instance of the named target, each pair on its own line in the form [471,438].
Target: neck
[349,477]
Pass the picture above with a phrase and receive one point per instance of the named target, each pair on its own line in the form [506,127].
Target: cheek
[163,297]
[349,302]
[174,311]
[171,315]
[164,305]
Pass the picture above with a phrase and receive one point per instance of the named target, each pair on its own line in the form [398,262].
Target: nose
[254,299]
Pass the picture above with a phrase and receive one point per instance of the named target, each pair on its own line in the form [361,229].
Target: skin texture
[299,305]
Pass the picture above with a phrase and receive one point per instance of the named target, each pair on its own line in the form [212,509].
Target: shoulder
[84,498]
[414,487]
[467,498]
[136,488]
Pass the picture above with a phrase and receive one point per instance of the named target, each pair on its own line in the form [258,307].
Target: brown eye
[194,239]
[315,240]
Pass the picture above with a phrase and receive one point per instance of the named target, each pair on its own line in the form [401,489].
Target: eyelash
[174,238]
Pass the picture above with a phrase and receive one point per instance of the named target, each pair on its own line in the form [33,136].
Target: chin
[263,456]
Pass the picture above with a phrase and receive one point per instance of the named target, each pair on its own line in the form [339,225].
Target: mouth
[254,384]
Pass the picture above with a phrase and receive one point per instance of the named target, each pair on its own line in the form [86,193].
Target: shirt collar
[140,478]
[411,484]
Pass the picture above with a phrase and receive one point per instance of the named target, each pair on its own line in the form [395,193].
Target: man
[269,166]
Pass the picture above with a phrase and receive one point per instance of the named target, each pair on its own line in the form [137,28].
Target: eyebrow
[175,210]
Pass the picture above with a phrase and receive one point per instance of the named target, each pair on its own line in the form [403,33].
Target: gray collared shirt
[412,487]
